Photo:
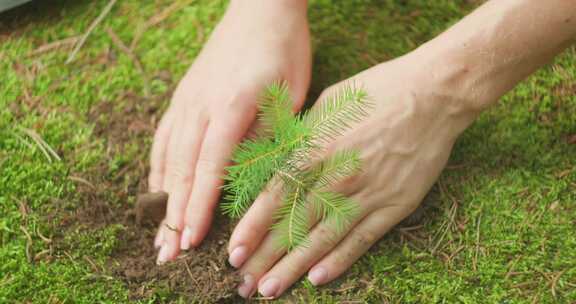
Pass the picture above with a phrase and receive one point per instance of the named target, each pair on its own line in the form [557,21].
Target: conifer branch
[283,149]
[335,115]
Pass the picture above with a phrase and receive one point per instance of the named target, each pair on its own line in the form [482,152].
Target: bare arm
[487,53]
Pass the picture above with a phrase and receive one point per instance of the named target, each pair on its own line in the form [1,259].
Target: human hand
[214,106]
[424,100]
[404,145]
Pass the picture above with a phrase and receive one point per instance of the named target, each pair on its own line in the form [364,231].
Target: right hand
[215,104]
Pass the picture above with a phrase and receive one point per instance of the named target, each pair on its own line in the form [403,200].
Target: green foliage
[278,153]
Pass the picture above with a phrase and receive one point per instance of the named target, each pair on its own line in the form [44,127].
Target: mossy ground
[501,229]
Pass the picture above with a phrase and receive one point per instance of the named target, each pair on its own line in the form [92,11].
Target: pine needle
[92,26]
[41,144]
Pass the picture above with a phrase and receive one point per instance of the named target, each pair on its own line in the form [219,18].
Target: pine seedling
[282,153]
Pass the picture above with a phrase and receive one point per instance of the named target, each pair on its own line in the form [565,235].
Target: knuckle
[179,174]
[342,258]
[327,237]
[293,269]
[255,266]
[241,102]
[207,166]
[364,238]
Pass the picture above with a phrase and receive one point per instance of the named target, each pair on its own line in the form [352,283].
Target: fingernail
[157,242]
[163,255]
[238,256]
[158,239]
[317,275]
[185,239]
[270,287]
[246,288]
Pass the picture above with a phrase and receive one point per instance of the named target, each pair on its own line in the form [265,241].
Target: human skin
[423,102]
[215,105]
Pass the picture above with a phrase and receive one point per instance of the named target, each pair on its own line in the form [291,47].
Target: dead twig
[524,284]
[190,273]
[82,181]
[21,206]
[94,266]
[126,50]
[53,46]
[22,140]
[92,26]
[42,237]
[29,256]
[475,259]
[41,144]
[41,254]
[445,227]
[555,282]
[262,298]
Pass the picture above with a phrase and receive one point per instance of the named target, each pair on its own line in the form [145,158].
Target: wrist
[446,90]
[457,75]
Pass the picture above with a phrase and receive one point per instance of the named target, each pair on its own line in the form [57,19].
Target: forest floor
[74,139]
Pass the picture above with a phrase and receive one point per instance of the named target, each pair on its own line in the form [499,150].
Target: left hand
[404,145]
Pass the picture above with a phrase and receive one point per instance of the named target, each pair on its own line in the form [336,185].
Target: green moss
[512,234]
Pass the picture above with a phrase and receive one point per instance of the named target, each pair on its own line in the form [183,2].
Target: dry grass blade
[42,237]
[23,141]
[477,250]
[91,28]
[21,206]
[82,181]
[41,144]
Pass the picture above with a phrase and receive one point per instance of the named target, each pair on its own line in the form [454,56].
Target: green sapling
[284,152]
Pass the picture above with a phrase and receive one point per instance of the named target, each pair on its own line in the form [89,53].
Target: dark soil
[200,275]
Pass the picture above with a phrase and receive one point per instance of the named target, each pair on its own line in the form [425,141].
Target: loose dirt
[200,275]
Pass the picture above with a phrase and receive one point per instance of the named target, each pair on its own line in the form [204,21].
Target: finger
[254,225]
[159,239]
[262,254]
[293,265]
[219,142]
[355,244]
[266,254]
[181,159]
[158,153]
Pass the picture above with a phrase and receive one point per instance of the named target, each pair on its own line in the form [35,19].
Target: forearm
[487,53]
